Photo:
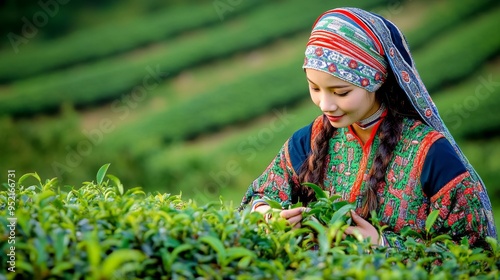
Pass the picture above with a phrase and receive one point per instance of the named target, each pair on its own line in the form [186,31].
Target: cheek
[359,103]
[314,98]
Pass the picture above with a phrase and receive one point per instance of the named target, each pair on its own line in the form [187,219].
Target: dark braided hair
[313,169]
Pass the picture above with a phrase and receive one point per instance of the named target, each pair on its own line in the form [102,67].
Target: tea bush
[102,231]
[443,16]
[433,63]
[449,52]
[73,49]
[465,105]
[109,78]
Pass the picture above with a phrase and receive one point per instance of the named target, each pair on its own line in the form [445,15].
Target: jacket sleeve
[277,180]
[460,214]
[275,183]
[454,193]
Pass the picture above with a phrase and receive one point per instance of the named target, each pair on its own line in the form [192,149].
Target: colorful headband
[343,46]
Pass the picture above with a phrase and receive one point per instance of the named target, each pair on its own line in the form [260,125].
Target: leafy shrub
[109,78]
[101,231]
[450,55]
[443,16]
[469,109]
[325,210]
[74,49]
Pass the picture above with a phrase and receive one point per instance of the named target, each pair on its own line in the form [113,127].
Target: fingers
[358,219]
[262,208]
[295,220]
[293,216]
[351,231]
[363,228]
[292,212]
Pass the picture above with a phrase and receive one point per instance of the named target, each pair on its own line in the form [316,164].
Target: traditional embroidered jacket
[424,174]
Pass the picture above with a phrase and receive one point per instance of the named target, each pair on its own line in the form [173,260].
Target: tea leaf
[407,231]
[93,249]
[477,257]
[117,182]
[25,266]
[44,196]
[117,259]
[334,197]
[320,193]
[49,184]
[314,225]
[216,245]
[239,252]
[493,243]
[101,173]
[274,204]
[298,204]
[92,232]
[236,253]
[60,267]
[322,238]
[25,176]
[431,219]
[341,213]
[59,245]
[339,204]
[440,237]
[244,262]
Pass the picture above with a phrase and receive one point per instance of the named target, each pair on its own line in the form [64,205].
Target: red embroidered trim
[356,189]
[426,144]
[450,185]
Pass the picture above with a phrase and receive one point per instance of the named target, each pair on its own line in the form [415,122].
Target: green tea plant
[73,49]
[239,108]
[109,78]
[451,46]
[325,210]
[328,210]
[443,16]
[102,230]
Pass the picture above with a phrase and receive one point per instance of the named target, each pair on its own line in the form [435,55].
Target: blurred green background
[198,96]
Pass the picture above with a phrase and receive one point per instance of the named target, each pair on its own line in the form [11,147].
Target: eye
[315,89]
[341,93]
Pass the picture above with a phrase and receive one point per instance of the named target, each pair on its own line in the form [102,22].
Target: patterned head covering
[355,45]
[344,46]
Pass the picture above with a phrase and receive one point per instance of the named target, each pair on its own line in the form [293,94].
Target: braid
[389,132]
[389,135]
[313,168]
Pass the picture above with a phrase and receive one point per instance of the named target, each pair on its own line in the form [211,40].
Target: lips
[334,118]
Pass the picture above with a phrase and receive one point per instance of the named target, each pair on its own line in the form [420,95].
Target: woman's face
[342,102]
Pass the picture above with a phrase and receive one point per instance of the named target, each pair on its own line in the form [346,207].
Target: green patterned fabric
[402,201]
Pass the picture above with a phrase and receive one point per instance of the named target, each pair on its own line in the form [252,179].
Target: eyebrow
[334,86]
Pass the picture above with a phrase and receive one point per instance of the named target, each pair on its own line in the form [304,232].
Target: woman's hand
[293,216]
[364,228]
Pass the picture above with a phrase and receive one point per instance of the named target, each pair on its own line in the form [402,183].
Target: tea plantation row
[100,231]
[280,85]
[113,38]
[440,16]
[238,158]
[109,78]
[112,78]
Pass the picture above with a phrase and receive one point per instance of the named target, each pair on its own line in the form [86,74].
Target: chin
[339,125]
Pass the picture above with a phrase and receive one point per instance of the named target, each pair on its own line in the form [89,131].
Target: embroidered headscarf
[342,45]
[357,46]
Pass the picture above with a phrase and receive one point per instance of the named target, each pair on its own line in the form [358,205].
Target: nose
[327,102]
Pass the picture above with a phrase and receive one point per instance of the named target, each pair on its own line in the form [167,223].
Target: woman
[379,143]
